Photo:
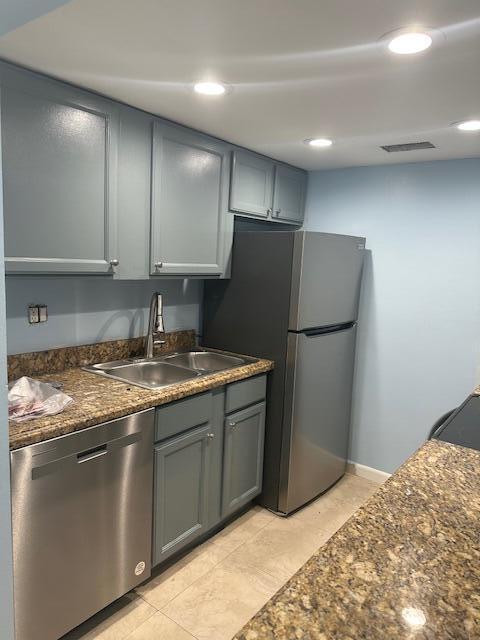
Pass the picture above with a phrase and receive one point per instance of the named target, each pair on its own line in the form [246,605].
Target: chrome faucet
[155,325]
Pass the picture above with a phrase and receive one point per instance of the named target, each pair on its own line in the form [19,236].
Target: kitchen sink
[204,360]
[156,373]
[151,374]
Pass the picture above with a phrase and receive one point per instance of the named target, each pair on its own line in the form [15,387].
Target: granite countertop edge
[411,549]
[98,399]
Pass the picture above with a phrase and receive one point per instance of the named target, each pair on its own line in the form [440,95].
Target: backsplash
[87,310]
[54,360]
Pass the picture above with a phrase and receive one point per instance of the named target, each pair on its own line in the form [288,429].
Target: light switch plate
[42,313]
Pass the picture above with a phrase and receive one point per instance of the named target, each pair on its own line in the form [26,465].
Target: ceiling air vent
[409,146]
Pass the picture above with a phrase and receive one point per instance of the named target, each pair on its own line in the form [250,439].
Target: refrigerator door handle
[333,328]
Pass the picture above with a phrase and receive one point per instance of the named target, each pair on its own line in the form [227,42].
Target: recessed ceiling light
[319,142]
[469,125]
[410,42]
[210,88]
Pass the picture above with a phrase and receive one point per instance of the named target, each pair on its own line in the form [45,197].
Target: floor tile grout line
[274,577]
[138,626]
[146,601]
[244,541]
[181,626]
[265,573]
[214,566]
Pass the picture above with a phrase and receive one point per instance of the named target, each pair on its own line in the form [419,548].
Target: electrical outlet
[37,313]
[33,314]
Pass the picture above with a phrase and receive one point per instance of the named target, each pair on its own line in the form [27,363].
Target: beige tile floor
[214,590]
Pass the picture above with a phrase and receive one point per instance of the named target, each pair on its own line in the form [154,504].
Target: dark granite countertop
[98,399]
[405,566]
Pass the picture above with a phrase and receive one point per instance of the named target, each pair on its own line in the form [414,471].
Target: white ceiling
[297,69]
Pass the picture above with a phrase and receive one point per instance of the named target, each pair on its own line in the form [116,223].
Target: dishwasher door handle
[91,454]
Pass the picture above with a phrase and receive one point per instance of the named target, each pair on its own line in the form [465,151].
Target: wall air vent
[409,146]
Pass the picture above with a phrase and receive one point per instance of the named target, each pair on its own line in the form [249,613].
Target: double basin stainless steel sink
[156,373]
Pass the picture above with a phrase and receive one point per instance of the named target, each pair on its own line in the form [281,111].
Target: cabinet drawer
[245,392]
[183,415]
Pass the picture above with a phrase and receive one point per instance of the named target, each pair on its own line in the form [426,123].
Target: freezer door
[326,278]
[317,414]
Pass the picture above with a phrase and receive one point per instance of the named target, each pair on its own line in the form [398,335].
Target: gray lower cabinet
[289,194]
[191,231]
[216,458]
[263,188]
[59,152]
[207,466]
[181,491]
[243,457]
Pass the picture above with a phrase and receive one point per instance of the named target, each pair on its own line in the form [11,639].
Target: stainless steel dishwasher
[82,523]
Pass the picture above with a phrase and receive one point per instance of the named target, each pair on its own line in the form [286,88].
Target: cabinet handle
[269,212]
[278,212]
[210,436]
[232,424]
[158,265]
[114,262]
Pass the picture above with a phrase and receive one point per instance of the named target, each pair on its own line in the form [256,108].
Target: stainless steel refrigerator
[293,297]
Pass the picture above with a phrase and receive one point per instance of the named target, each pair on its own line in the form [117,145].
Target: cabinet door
[243,457]
[181,491]
[190,227]
[289,194]
[134,186]
[251,189]
[59,173]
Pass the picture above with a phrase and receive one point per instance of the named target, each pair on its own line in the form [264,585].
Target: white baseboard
[369,473]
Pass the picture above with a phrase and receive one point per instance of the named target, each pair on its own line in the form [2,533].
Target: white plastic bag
[29,398]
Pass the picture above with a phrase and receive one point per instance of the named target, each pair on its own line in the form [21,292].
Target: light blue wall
[85,310]
[6,572]
[419,332]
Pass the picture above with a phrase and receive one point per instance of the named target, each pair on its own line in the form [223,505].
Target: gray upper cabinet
[181,491]
[191,227]
[262,188]
[134,180]
[243,457]
[289,194]
[91,186]
[251,184]
[59,148]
